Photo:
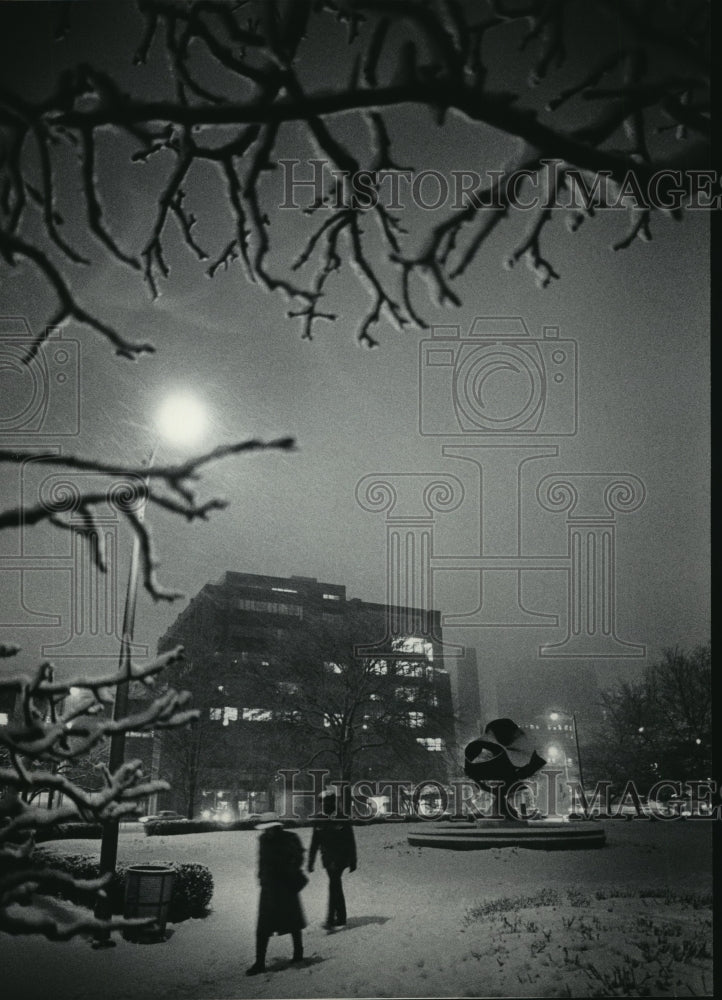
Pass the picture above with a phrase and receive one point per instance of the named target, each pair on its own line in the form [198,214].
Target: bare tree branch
[423,57]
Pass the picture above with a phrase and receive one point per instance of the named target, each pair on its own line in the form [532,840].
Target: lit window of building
[431,742]
[331,597]
[257,715]
[406,693]
[416,719]
[4,718]
[407,669]
[415,644]
[379,667]
[272,607]
[333,668]
[229,713]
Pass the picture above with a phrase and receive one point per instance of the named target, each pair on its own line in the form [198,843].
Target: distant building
[255,716]
[538,687]
[554,736]
[469,711]
[556,704]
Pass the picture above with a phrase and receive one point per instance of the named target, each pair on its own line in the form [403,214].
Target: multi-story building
[286,672]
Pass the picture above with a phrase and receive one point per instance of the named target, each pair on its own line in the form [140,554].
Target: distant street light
[180,420]
[554,716]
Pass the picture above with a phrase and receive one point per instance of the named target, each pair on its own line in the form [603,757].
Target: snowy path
[407,934]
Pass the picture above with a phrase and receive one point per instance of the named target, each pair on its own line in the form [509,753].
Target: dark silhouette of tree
[362,714]
[618,87]
[659,727]
[186,756]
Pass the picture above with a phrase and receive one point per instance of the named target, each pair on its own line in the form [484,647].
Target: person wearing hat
[280,863]
[334,837]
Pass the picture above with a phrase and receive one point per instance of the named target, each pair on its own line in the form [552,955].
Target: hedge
[192,885]
[69,831]
[169,827]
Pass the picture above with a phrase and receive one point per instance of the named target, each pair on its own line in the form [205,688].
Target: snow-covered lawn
[505,922]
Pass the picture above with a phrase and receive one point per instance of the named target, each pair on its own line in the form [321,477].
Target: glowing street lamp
[180,420]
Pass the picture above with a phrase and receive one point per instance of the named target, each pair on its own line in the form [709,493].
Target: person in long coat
[333,836]
[280,864]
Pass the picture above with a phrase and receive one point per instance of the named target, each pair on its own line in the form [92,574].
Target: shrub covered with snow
[192,885]
[192,889]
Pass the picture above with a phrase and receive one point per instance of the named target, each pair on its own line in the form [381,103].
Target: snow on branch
[241,87]
[54,727]
[130,491]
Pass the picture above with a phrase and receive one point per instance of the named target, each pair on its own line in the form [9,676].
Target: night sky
[639,318]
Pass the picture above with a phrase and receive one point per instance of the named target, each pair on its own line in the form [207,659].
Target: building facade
[469,710]
[288,673]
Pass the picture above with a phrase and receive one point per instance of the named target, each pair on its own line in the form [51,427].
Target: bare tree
[613,88]
[362,714]
[192,757]
[659,727]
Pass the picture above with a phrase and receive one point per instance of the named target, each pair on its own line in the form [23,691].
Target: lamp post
[570,715]
[180,420]
[579,755]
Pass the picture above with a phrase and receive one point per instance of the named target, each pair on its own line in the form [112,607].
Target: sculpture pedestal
[535,834]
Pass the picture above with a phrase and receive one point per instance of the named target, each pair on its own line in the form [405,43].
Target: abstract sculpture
[503,755]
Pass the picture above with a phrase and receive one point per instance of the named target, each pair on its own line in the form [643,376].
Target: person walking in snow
[280,863]
[334,837]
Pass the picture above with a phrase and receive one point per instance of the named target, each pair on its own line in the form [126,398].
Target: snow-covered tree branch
[56,723]
[617,88]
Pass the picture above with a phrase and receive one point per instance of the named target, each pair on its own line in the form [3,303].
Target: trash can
[148,891]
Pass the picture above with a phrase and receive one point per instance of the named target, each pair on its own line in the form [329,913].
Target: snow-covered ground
[421,924]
